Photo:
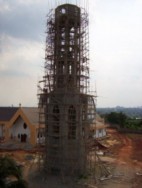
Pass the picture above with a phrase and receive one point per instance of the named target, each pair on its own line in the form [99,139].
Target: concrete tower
[67,107]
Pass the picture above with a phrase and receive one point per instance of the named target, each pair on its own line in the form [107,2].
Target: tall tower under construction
[64,101]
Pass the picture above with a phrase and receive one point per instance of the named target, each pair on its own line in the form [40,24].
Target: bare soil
[127,166]
[123,160]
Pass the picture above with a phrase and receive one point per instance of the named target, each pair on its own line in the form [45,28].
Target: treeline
[122,121]
[130,112]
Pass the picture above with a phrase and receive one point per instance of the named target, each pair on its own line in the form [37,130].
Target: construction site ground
[122,161]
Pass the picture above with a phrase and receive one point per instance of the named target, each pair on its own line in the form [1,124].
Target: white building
[99,128]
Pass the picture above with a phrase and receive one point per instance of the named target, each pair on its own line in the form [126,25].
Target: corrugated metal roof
[6,113]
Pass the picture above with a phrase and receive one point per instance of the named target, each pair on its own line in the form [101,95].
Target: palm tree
[11,174]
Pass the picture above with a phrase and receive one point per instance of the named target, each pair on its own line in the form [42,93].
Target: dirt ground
[126,150]
[123,161]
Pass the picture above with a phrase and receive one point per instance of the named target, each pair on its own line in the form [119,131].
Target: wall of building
[30,131]
[3,131]
[40,136]
[20,131]
[100,133]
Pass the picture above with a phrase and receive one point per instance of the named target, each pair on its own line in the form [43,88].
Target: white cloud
[29,2]
[20,55]
[115,37]
[4,6]
[18,90]
[20,66]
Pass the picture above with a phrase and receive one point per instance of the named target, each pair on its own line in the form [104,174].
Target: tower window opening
[62,49]
[71,22]
[72,29]
[63,10]
[83,113]
[56,110]
[62,29]
[72,35]
[56,119]
[62,42]
[56,128]
[72,123]
[70,69]
[71,42]
[63,35]
[72,132]
[70,49]
[78,57]
[60,82]
[61,67]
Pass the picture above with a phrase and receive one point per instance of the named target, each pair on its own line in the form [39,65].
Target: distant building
[99,128]
[20,124]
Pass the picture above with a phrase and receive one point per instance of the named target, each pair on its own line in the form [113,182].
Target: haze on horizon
[115,29]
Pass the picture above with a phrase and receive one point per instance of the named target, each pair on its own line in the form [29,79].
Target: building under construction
[65,104]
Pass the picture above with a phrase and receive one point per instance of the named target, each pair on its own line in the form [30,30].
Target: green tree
[11,174]
[116,118]
[122,119]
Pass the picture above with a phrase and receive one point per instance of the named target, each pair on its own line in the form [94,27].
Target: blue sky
[115,50]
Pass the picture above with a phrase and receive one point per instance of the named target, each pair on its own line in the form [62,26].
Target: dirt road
[125,152]
[127,167]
